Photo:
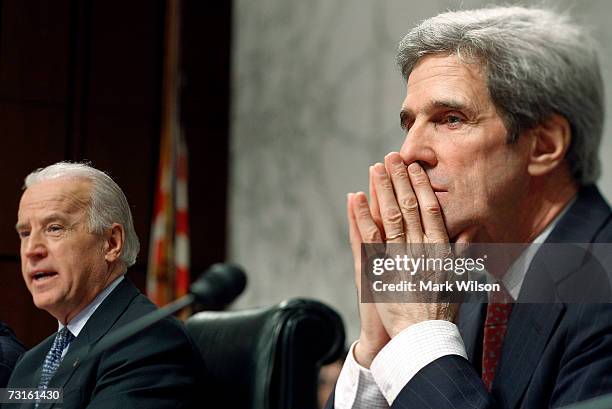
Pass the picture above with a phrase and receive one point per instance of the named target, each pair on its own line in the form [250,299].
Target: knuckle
[409,204]
[363,212]
[385,182]
[445,251]
[420,181]
[399,174]
[371,235]
[392,215]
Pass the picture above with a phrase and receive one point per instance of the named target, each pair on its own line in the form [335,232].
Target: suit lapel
[470,323]
[531,325]
[35,361]
[96,327]
[528,333]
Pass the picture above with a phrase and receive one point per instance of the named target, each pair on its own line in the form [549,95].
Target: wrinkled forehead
[449,67]
[66,195]
[447,79]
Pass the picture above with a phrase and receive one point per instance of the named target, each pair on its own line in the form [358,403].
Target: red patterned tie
[495,328]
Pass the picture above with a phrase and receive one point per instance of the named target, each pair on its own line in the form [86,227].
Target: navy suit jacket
[553,354]
[158,368]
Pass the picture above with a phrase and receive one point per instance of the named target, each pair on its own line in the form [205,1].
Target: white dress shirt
[416,347]
[78,322]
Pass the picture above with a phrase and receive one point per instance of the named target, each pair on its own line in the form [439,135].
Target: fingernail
[380,169]
[414,168]
[361,199]
[395,159]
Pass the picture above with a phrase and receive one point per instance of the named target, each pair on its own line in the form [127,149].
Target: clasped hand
[403,208]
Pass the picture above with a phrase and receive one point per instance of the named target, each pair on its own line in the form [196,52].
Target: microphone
[219,285]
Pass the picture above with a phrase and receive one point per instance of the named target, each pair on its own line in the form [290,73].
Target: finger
[406,199]
[464,240]
[374,207]
[391,215]
[366,227]
[355,240]
[467,236]
[369,233]
[431,212]
[354,236]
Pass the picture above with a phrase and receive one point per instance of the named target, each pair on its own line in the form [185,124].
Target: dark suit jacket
[554,354]
[156,369]
[10,351]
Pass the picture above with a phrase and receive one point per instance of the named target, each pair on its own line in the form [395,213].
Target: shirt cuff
[410,351]
[356,388]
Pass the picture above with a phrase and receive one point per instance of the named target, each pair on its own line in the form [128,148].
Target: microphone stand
[134,327]
[214,278]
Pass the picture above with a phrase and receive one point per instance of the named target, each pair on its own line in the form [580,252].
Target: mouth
[41,276]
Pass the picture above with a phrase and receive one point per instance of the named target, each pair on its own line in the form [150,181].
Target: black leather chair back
[267,358]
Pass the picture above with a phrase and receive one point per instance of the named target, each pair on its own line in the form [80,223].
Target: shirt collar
[78,322]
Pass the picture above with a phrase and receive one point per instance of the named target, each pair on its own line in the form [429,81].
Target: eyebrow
[407,115]
[45,220]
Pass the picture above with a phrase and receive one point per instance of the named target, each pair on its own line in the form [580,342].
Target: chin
[43,302]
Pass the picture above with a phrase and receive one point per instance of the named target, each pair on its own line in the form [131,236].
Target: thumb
[464,239]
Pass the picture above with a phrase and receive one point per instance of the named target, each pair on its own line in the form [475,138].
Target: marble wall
[316,96]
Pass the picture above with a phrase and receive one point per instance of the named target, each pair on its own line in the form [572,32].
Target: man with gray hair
[503,118]
[77,241]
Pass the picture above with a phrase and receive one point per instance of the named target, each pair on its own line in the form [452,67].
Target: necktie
[52,361]
[496,324]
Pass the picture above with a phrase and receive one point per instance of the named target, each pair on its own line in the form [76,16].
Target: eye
[453,121]
[450,120]
[54,228]
[406,125]
[23,233]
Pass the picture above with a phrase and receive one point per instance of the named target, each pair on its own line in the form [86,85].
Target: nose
[34,247]
[418,147]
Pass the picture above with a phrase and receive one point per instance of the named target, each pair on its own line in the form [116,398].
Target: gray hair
[108,203]
[537,63]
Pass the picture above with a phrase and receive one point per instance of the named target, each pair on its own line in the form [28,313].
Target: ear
[114,243]
[551,140]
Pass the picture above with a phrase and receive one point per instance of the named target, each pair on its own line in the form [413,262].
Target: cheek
[88,258]
[478,175]
[502,176]
[72,257]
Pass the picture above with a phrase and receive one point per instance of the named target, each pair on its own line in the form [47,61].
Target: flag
[168,269]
